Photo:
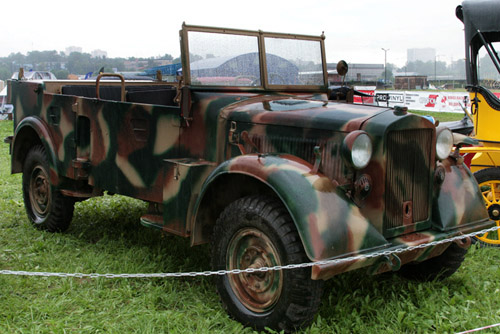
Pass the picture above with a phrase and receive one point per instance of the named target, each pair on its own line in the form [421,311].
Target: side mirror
[342,68]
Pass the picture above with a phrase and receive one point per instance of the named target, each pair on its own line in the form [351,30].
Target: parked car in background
[5,109]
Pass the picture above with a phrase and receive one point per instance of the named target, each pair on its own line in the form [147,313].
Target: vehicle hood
[303,113]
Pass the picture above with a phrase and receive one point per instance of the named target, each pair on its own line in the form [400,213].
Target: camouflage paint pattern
[191,160]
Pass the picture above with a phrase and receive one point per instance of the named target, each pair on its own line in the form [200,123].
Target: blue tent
[280,70]
[170,69]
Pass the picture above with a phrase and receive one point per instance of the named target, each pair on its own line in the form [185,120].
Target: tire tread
[59,217]
[305,295]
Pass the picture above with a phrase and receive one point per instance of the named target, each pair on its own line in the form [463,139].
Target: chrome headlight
[357,149]
[444,143]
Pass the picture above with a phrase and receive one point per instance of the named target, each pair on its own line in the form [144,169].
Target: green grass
[106,237]
[441,116]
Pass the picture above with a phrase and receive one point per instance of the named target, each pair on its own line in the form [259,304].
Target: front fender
[458,202]
[328,223]
[24,140]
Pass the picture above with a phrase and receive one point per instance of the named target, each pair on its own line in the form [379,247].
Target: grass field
[441,116]
[106,237]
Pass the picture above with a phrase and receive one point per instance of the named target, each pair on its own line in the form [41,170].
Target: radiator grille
[408,176]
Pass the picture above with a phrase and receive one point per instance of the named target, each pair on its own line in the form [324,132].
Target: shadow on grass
[360,300]
[112,224]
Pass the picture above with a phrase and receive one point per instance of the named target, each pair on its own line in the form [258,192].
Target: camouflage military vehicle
[246,151]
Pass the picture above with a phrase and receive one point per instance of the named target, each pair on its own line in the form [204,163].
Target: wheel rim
[491,195]
[250,248]
[39,192]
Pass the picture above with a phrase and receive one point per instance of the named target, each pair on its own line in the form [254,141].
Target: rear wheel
[46,207]
[489,184]
[255,232]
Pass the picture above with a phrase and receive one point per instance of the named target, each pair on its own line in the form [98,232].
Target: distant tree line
[430,69]
[81,63]
[62,65]
[455,70]
[436,68]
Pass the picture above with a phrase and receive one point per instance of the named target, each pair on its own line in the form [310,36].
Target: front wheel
[46,207]
[489,184]
[255,232]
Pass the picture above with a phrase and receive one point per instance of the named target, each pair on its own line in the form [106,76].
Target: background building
[410,81]
[365,72]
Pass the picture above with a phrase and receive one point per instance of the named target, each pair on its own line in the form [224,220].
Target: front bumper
[418,246]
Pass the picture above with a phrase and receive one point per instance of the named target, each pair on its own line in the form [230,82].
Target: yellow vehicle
[482,39]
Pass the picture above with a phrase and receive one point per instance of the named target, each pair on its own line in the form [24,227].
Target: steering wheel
[253,80]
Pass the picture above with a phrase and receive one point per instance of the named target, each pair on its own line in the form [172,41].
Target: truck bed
[135,92]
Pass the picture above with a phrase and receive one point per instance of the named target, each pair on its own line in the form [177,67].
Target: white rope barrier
[479,329]
[251,270]
[262,269]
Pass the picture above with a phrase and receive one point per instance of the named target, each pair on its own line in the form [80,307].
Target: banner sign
[437,101]
[424,101]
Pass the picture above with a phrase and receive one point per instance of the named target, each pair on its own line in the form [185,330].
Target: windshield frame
[261,36]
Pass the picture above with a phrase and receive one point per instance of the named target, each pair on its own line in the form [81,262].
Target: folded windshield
[225,59]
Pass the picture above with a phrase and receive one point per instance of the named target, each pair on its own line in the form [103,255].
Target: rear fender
[328,223]
[31,131]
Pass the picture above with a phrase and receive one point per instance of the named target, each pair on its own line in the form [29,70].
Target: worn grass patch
[106,237]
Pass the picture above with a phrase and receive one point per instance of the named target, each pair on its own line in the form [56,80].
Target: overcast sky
[355,30]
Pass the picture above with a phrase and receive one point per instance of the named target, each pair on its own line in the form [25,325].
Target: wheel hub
[39,192]
[494,211]
[258,291]
[258,282]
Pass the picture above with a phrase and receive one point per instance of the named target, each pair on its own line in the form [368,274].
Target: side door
[123,145]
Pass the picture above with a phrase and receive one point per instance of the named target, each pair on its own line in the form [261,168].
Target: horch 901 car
[251,151]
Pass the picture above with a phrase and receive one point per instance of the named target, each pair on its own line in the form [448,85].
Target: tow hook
[464,243]
[393,261]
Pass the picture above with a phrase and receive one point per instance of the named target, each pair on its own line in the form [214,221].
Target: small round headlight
[358,149]
[444,143]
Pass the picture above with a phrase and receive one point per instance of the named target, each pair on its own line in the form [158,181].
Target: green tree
[167,56]
[61,74]
[5,72]
[390,73]
[43,57]
[151,62]
[457,69]
[79,63]
[16,61]
[429,68]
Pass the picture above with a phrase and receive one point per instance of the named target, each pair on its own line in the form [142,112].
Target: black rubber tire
[46,207]
[436,268]
[485,175]
[299,297]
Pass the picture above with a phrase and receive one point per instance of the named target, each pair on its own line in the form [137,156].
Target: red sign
[362,100]
[432,100]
